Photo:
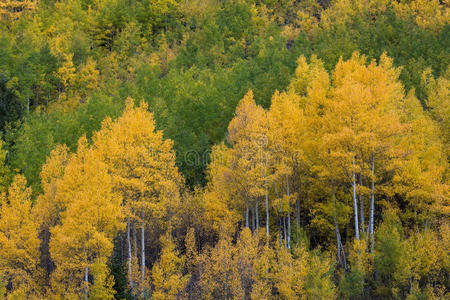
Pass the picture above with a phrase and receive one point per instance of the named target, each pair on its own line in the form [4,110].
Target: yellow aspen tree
[312,83]
[221,194]
[86,78]
[66,74]
[191,261]
[426,254]
[82,242]
[290,274]
[263,278]
[218,276]
[167,278]
[285,136]
[247,251]
[247,133]
[320,283]
[19,243]
[364,98]
[144,174]
[46,208]
[310,78]
[237,271]
[420,175]
[438,101]
[429,14]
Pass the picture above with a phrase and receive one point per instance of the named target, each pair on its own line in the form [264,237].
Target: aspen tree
[364,98]
[218,277]
[438,101]
[312,83]
[167,278]
[247,133]
[47,208]
[19,242]
[420,175]
[290,274]
[81,243]
[222,194]
[285,134]
[142,166]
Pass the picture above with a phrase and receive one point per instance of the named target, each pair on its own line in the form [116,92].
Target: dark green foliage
[10,107]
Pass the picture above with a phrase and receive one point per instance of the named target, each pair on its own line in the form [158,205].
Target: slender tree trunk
[297,203]
[285,231]
[338,241]
[267,212]
[130,277]
[289,231]
[256,214]
[246,210]
[340,248]
[361,205]
[143,246]
[135,247]
[355,202]
[288,240]
[343,252]
[86,276]
[253,219]
[372,205]
[279,215]
[28,104]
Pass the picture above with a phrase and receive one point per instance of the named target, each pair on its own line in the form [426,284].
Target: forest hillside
[224,149]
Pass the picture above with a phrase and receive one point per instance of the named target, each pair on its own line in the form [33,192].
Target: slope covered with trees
[224,149]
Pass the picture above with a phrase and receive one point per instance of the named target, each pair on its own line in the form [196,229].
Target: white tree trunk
[246,210]
[256,214]
[134,234]
[355,202]
[361,205]
[289,215]
[372,206]
[279,215]
[340,248]
[253,219]
[289,232]
[143,247]
[130,277]
[86,276]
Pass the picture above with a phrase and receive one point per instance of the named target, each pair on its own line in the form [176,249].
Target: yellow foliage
[19,242]
[290,274]
[91,216]
[429,14]
[141,162]
[167,278]
[11,10]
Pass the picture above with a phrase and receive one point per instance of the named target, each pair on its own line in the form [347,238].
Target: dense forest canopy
[245,149]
